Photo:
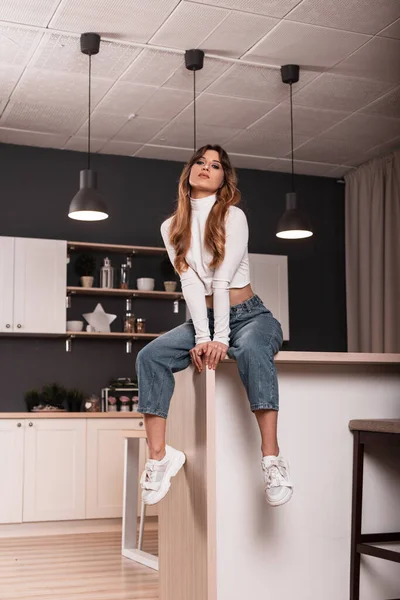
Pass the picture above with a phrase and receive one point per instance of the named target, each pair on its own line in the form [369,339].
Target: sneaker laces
[148,480]
[275,473]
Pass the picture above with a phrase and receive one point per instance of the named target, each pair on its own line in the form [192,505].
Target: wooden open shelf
[112,334]
[151,250]
[130,293]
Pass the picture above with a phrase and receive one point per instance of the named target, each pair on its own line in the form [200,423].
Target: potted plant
[85,266]
[74,400]
[33,399]
[168,274]
[54,395]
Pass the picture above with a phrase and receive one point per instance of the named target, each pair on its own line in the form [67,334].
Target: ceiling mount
[90,43]
[194,59]
[290,73]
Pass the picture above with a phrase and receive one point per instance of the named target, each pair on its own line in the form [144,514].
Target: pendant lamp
[194,60]
[294,224]
[88,204]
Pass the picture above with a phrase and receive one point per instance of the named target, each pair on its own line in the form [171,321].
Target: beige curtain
[373,256]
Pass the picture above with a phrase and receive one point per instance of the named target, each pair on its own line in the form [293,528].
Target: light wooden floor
[75,567]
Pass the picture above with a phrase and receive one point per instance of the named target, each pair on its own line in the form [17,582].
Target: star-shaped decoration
[100,320]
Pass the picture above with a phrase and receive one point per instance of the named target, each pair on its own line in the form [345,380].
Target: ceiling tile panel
[29,138]
[125,98]
[179,134]
[242,161]
[103,125]
[164,153]
[387,106]
[29,13]
[58,52]
[182,79]
[165,104]
[284,165]
[121,148]
[17,45]
[363,16]
[337,92]
[134,20]
[256,83]
[393,31]
[139,130]
[258,143]
[153,67]
[271,8]
[80,144]
[225,111]
[237,34]
[8,80]
[379,59]
[41,118]
[365,129]
[305,44]
[35,85]
[189,25]
[307,121]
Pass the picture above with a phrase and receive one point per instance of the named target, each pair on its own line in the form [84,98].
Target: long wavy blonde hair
[214,235]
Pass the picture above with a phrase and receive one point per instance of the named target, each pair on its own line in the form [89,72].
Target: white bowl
[145,284]
[74,325]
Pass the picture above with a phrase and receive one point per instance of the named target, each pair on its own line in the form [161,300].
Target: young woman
[206,239]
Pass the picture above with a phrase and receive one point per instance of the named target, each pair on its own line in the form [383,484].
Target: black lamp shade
[88,204]
[294,224]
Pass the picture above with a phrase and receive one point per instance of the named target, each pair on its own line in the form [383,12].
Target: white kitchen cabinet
[11,470]
[55,469]
[40,280]
[105,466]
[6,284]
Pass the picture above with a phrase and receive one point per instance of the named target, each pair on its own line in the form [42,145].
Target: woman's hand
[216,351]
[196,353]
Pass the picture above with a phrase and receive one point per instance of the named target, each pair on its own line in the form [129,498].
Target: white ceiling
[346,104]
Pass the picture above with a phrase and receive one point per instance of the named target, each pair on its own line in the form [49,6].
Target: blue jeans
[255,337]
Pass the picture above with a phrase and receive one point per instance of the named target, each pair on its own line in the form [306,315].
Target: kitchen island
[219,540]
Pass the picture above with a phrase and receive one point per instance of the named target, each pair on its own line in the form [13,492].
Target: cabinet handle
[8,325]
[19,326]
[18,424]
[140,423]
[30,424]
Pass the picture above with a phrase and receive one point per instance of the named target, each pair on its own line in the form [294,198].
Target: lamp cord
[194,111]
[291,133]
[89,108]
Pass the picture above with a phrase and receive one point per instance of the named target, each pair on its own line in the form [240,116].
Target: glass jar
[140,325]
[129,322]
[124,277]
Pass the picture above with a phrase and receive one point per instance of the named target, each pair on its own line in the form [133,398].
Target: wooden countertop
[335,358]
[70,415]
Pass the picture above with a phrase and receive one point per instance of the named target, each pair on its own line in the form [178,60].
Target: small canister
[140,325]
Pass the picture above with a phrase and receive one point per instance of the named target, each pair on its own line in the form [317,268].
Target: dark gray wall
[36,186]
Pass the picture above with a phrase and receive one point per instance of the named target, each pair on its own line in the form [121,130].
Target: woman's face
[207,175]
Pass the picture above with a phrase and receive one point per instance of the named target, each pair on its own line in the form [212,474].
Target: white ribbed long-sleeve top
[200,281]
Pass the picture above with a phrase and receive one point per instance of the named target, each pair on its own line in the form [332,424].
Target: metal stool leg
[356,517]
[141,528]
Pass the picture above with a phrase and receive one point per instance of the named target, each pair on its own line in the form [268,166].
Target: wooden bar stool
[374,431]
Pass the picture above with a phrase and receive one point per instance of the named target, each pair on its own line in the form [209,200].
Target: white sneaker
[156,477]
[278,486]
